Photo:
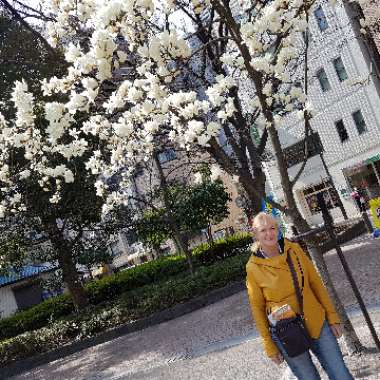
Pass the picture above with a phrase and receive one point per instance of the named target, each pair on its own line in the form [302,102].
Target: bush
[111,287]
[209,253]
[132,305]
[154,271]
[37,316]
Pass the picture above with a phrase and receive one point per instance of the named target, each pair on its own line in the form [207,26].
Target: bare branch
[39,15]
[18,17]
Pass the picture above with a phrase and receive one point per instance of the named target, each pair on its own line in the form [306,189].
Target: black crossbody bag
[292,332]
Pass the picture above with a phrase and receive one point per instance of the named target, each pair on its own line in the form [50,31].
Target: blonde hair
[263,218]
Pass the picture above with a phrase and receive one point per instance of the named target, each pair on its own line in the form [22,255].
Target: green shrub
[132,305]
[154,271]
[36,317]
[209,253]
[111,287]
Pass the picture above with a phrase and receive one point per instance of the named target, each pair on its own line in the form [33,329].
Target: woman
[270,286]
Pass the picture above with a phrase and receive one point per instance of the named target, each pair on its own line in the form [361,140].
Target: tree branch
[18,17]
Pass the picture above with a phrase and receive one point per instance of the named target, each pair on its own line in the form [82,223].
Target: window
[295,154]
[342,131]
[167,155]
[340,69]
[321,19]
[323,80]
[329,194]
[359,122]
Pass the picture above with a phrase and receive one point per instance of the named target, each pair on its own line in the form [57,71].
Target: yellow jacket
[270,284]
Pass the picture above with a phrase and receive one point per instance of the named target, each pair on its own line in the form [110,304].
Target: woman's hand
[337,330]
[278,359]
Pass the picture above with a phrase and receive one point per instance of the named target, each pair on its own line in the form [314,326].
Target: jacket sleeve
[257,301]
[320,292]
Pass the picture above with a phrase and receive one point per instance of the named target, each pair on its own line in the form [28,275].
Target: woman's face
[266,232]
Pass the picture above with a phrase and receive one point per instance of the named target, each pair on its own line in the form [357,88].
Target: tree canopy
[193,208]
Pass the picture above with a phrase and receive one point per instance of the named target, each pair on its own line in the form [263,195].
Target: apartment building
[344,90]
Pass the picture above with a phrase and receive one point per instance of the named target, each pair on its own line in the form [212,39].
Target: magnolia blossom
[198,178]
[216,172]
[149,105]
[24,103]
[59,120]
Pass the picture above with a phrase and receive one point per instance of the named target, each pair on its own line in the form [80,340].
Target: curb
[176,311]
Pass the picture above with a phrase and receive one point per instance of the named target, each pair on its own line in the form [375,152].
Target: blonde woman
[270,286]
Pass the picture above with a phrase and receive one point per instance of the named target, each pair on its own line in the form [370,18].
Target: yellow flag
[374,204]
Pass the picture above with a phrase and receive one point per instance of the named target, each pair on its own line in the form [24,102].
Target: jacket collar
[277,261]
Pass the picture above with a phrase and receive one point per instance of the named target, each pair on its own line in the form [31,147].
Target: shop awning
[372,159]
[358,166]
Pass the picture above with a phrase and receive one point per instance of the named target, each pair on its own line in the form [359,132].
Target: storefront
[365,176]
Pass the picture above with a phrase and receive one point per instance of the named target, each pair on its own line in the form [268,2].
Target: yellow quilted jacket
[269,284]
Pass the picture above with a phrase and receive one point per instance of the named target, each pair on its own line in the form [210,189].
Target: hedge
[208,253]
[108,288]
[132,305]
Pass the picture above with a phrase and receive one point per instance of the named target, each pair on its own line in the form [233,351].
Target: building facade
[345,94]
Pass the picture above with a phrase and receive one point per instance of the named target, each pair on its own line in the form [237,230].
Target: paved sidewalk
[219,341]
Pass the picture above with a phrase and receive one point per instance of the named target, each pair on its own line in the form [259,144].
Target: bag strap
[295,282]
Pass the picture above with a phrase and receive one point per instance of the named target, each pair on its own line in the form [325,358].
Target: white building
[345,93]
[21,290]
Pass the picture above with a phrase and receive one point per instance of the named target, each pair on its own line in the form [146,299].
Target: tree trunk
[177,235]
[66,262]
[177,245]
[351,339]
[209,233]
[182,244]
[90,271]
[70,276]
[157,252]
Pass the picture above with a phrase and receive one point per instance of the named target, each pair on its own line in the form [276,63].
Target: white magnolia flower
[198,178]
[24,103]
[213,129]
[24,174]
[216,172]
[203,140]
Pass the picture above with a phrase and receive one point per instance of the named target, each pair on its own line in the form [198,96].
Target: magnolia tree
[158,50]
[256,41]
[152,105]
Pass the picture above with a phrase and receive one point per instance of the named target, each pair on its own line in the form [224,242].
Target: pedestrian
[272,287]
[362,201]
[357,196]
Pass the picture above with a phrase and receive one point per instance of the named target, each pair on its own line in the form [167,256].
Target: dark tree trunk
[65,260]
[70,275]
[209,233]
[178,236]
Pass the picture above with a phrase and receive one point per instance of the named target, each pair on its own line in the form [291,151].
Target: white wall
[8,303]
[338,103]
